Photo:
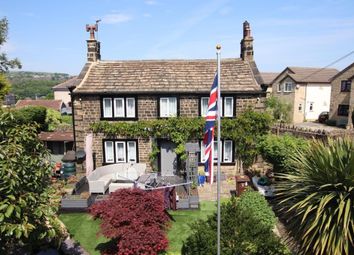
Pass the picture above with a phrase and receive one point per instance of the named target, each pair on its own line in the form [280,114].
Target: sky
[50,36]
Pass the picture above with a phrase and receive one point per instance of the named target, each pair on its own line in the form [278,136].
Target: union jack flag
[208,140]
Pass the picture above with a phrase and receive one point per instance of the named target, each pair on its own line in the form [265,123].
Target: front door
[168,158]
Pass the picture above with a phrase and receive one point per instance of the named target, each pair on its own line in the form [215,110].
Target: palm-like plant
[317,199]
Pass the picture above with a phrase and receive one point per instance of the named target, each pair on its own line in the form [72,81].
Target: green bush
[31,114]
[332,123]
[279,149]
[247,228]
[28,208]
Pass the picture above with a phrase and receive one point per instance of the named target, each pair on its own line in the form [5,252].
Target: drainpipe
[71,89]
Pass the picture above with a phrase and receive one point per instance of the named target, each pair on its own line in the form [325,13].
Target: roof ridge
[166,60]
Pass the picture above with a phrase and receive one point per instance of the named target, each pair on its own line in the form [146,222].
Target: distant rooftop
[53,104]
[66,84]
[268,77]
[311,74]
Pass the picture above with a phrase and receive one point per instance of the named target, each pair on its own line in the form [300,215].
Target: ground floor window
[227,151]
[343,110]
[120,151]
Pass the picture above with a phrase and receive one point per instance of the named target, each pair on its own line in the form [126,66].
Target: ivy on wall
[245,130]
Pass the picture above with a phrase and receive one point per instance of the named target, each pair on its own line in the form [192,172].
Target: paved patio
[317,126]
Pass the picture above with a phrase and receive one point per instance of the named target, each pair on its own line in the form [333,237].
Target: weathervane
[92,29]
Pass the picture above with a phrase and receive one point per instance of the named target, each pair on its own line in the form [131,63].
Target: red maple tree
[135,219]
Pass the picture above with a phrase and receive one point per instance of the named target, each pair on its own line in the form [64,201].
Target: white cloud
[150,2]
[116,18]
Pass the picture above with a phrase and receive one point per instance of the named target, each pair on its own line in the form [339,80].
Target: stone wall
[87,110]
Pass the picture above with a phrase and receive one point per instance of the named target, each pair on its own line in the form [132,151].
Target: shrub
[247,224]
[27,203]
[31,115]
[135,220]
[317,199]
[330,122]
[279,149]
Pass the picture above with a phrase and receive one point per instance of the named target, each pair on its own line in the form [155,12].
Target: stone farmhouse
[342,97]
[307,89]
[132,90]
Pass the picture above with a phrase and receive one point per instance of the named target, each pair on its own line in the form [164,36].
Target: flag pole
[218,48]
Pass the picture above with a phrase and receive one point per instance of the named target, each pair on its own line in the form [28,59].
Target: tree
[27,213]
[279,109]
[135,220]
[317,199]
[31,115]
[5,63]
[247,228]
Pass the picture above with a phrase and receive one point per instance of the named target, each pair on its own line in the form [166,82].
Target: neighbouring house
[57,105]
[268,78]
[61,92]
[58,143]
[307,89]
[132,90]
[342,97]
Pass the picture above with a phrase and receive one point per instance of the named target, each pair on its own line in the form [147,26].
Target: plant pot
[201,179]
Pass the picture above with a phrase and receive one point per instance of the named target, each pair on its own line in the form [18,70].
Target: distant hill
[34,84]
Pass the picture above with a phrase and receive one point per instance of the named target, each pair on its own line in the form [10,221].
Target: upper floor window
[168,107]
[120,151]
[119,107]
[288,86]
[343,110]
[345,86]
[226,109]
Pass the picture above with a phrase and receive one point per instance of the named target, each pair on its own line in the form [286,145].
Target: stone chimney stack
[246,43]
[93,46]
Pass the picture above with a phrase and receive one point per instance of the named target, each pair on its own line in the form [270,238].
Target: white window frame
[106,150]
[203,112]
[109,113]
[112,111]
[128,152]
[215,156]
[167,112]
[224,149]
[232,107]
[202,152]
[291,86]
[279,87]
[116,115]
[132,114]
[124,152]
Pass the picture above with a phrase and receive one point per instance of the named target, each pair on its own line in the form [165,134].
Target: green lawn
[83,229]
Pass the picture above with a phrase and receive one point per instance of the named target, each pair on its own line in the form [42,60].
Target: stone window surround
[222,103]
[223,162]
[288,86]
[115,141]
[125,98]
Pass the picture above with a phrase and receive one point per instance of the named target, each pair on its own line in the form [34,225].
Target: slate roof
[66,84]
[268,77]
[53,104]
[151,76]
[311,74]
[56,136]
